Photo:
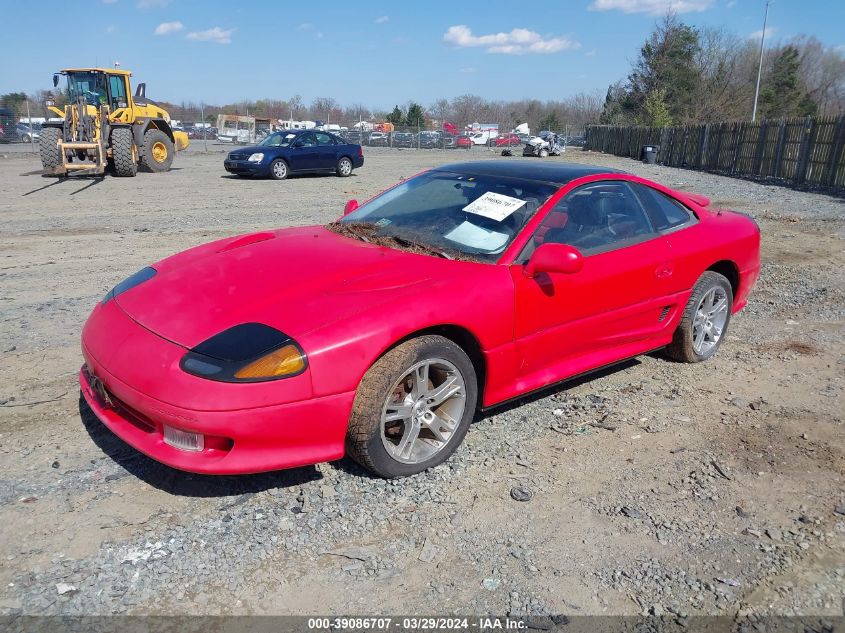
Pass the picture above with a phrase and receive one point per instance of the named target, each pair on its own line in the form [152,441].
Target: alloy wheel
[422,411]
[709,321]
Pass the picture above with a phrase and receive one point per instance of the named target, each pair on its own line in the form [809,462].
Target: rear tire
[370,438]
[704,325]
[344,167]
[157,152]
[123,152]
[48,148]
[544,153]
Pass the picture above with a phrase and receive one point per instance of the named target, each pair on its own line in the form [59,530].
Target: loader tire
[157,152]
[123,152]
[48,147]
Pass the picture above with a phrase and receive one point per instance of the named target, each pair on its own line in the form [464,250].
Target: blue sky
[375,53]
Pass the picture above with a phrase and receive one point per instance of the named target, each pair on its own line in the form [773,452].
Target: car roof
[557,173]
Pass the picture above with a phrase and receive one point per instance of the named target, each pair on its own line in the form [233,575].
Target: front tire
[413,407]
[344,167]
[278,169]
[157,153]
[705,321]
[123,152]
[48,147]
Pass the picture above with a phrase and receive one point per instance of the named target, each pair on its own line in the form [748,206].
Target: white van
[481,138]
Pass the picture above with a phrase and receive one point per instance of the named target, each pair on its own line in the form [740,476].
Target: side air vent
[663,314]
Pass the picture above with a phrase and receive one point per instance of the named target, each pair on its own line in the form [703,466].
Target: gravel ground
[652,488]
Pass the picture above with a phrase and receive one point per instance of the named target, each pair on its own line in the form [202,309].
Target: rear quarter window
[665,212]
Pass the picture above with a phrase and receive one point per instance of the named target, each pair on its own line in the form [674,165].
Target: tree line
[685,75]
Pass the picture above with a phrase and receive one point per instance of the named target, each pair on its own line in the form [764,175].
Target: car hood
[295,280]
[250,149]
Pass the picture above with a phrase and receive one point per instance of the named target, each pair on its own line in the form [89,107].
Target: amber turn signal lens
[284,361]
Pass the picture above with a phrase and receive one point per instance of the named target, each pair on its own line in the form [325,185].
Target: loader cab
[98,88]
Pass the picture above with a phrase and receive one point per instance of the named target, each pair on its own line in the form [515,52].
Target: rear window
[665,212]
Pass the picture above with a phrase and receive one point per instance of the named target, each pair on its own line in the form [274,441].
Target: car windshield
[279,139]
[455,215]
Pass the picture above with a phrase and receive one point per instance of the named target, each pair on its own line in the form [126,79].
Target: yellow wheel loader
[104,127]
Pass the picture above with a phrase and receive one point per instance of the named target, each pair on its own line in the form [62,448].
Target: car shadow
[290,177]
[180,483]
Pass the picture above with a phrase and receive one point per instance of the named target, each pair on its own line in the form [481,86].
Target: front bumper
[236,442]
[245,168]
[133,383]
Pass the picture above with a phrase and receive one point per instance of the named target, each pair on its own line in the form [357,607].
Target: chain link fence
[20,120]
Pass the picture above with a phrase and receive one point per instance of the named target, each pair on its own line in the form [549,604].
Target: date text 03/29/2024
[417,623]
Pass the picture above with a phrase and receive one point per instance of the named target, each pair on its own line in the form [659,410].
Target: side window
[596,218]
[665,212]
[324,139]
[117,86]
[307,140]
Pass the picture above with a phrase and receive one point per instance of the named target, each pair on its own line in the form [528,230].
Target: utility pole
[204,129]
[760,65]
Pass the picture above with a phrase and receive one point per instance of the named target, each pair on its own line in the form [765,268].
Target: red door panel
[564,321]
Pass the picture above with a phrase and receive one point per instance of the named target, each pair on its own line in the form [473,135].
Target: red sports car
[505,140]
[464,141]
[382,334]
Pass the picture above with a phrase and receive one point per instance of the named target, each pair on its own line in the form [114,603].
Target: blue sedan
[295,152]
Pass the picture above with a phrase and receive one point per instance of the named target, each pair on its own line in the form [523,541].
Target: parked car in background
[403,139]
[428,140]
[505,140]
[295,151]
[464,142]
[378,139]
[28,132]
[8,126]
[354,136]
[483,137]
[449,141]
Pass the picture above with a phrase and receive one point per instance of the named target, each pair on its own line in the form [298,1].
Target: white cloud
[731,4]
[109,1]
[591,53]
[468,70]
[165,28]
[756,35]
[653,7]
[305,26]
[319,35]
[216,35]
[516,42]
[152,4]
[382,19]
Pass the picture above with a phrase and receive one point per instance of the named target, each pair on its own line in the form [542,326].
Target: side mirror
[55,80]
[350,207]
[554,258]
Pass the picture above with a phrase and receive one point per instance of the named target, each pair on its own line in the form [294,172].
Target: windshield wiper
[410,243]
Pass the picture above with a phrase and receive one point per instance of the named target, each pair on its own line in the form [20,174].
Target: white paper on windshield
[474,236]
[494,206]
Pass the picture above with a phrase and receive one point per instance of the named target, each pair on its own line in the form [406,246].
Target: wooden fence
[802,151]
